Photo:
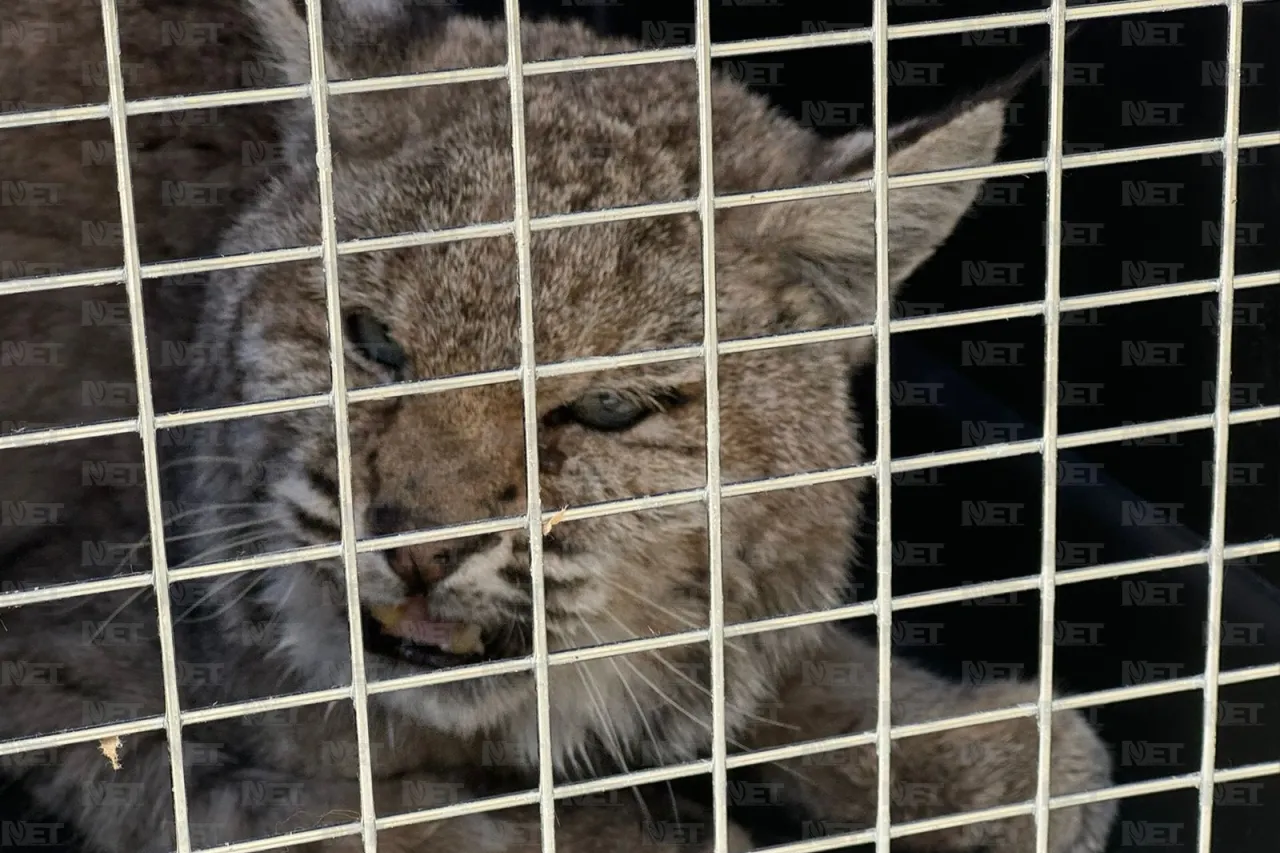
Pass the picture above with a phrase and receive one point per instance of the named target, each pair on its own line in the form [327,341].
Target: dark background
[1132,80]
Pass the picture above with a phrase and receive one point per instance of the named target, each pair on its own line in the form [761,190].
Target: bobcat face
[439,157]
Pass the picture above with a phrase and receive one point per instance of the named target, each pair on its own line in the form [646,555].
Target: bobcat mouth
[430,645]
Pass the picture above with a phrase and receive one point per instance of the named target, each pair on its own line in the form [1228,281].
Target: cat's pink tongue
[416,625]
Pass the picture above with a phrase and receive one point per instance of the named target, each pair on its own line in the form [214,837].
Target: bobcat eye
[607,410]
[371,337]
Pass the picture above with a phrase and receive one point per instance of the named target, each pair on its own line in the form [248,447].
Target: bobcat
[436,157]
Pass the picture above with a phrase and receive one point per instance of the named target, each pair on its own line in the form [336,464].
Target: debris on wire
[554,520]
[110,747]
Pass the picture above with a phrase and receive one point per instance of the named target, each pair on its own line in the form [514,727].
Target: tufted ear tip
[967,133]
[831,241]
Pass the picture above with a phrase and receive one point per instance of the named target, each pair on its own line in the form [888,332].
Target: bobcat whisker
[260,577]
[688,680]
[218,586]
[214,589]
[145,540]
[615,744]
[227,528]
[661,693]
[684,620]
[195,460]
[240,542]
[141,592]
[728,705]
[644,718]
[657,655]
[214,507]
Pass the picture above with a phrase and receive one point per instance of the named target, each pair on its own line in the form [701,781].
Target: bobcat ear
[362,37]
[831,241]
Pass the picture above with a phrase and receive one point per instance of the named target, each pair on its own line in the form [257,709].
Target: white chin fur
[453,709]
[501,708]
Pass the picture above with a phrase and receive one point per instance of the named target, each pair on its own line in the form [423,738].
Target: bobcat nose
[429,562]
[432,562]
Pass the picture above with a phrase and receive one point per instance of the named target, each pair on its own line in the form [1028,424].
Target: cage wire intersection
[702,53]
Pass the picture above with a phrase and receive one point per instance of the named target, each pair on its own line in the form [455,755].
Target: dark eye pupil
[607,410]
[610,402]
[372,338]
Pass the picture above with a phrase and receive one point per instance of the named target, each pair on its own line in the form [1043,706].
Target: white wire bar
[279,703]
[777,44]
[1221,429]
[1049,441]
[884,404]
[1005,450]
[342,438]
[711,392]
[51,435]
[834,841]
[146,422]
[1084,159]
[906,602]
[529,380]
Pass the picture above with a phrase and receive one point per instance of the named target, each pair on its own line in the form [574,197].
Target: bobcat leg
[935,774]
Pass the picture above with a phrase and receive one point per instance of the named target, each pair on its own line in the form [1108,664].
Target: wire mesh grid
[881,469]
